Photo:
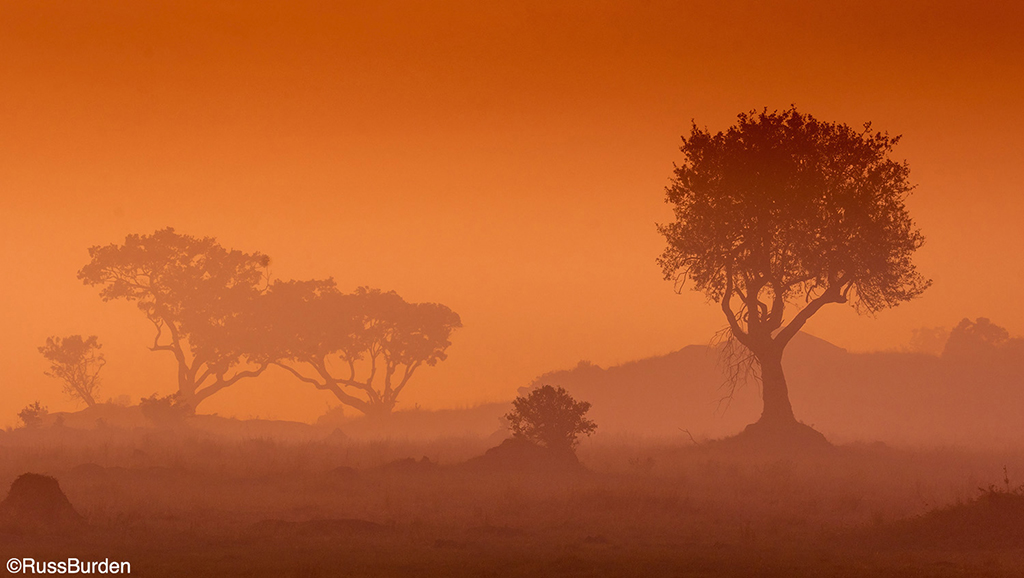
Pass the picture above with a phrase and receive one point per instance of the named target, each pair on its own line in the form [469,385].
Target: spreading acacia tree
[783,214]
[198,295]
[363,347]
[76,362]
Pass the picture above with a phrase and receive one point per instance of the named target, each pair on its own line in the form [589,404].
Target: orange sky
[506,161]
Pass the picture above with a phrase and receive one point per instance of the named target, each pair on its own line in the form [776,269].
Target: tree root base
[776,437]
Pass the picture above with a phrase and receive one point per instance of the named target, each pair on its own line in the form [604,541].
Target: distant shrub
[333,417]
[33,414]
[550,417]
[163,411]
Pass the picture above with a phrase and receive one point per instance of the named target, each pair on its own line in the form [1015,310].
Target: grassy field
[174,504]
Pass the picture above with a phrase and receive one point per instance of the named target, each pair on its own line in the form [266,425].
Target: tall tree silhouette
[77,362]
[364,347]
[199,297]
[783,214]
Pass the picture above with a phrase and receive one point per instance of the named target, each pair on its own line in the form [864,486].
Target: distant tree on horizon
[550,417]
[784,210]
[364,347]
[980,340]
[929,340]
[76,362]
[197,294]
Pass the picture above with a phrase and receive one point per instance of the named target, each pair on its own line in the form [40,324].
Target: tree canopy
[364,347]
[782,206]
[199,297]
[783,209]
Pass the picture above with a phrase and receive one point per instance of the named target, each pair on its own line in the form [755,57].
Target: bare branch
[737,362]
[695,442]
[409,370]
[727,309]
[222,383]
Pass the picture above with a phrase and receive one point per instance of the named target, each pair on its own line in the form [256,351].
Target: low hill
[891,396]
[896,397]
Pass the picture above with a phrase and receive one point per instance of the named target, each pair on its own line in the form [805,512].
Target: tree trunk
[186,396]
[777,409]
[778,430]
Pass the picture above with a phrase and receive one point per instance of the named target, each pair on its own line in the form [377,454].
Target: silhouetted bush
[163,411]
[33,414]
[550,417]
[77,362]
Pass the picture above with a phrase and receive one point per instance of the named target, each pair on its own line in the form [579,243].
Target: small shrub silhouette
[32,415]
[163,411]
[550,417]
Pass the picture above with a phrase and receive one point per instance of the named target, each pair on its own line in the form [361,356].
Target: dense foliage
[550,417]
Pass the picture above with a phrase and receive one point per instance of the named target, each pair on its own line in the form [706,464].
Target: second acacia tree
[364,347]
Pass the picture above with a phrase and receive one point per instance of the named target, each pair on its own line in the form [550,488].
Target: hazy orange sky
[506,159]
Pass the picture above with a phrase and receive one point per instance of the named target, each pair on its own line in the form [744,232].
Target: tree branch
[159,333]
[202,378]
[409,370]
[727,308]
[331,386]
[222,383]
[831,295]
[301,377]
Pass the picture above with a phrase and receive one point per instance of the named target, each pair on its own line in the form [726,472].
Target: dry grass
[180,504]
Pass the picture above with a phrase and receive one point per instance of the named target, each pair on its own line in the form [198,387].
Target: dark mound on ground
[520,454]
[776,438]
[995,520]
[36,504]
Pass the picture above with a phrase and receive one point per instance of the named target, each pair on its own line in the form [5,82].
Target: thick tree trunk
[777,408]
[187,401]
[185,396]
[778,430]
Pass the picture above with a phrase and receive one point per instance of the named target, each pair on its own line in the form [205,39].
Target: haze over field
[508,162]
[518,289]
